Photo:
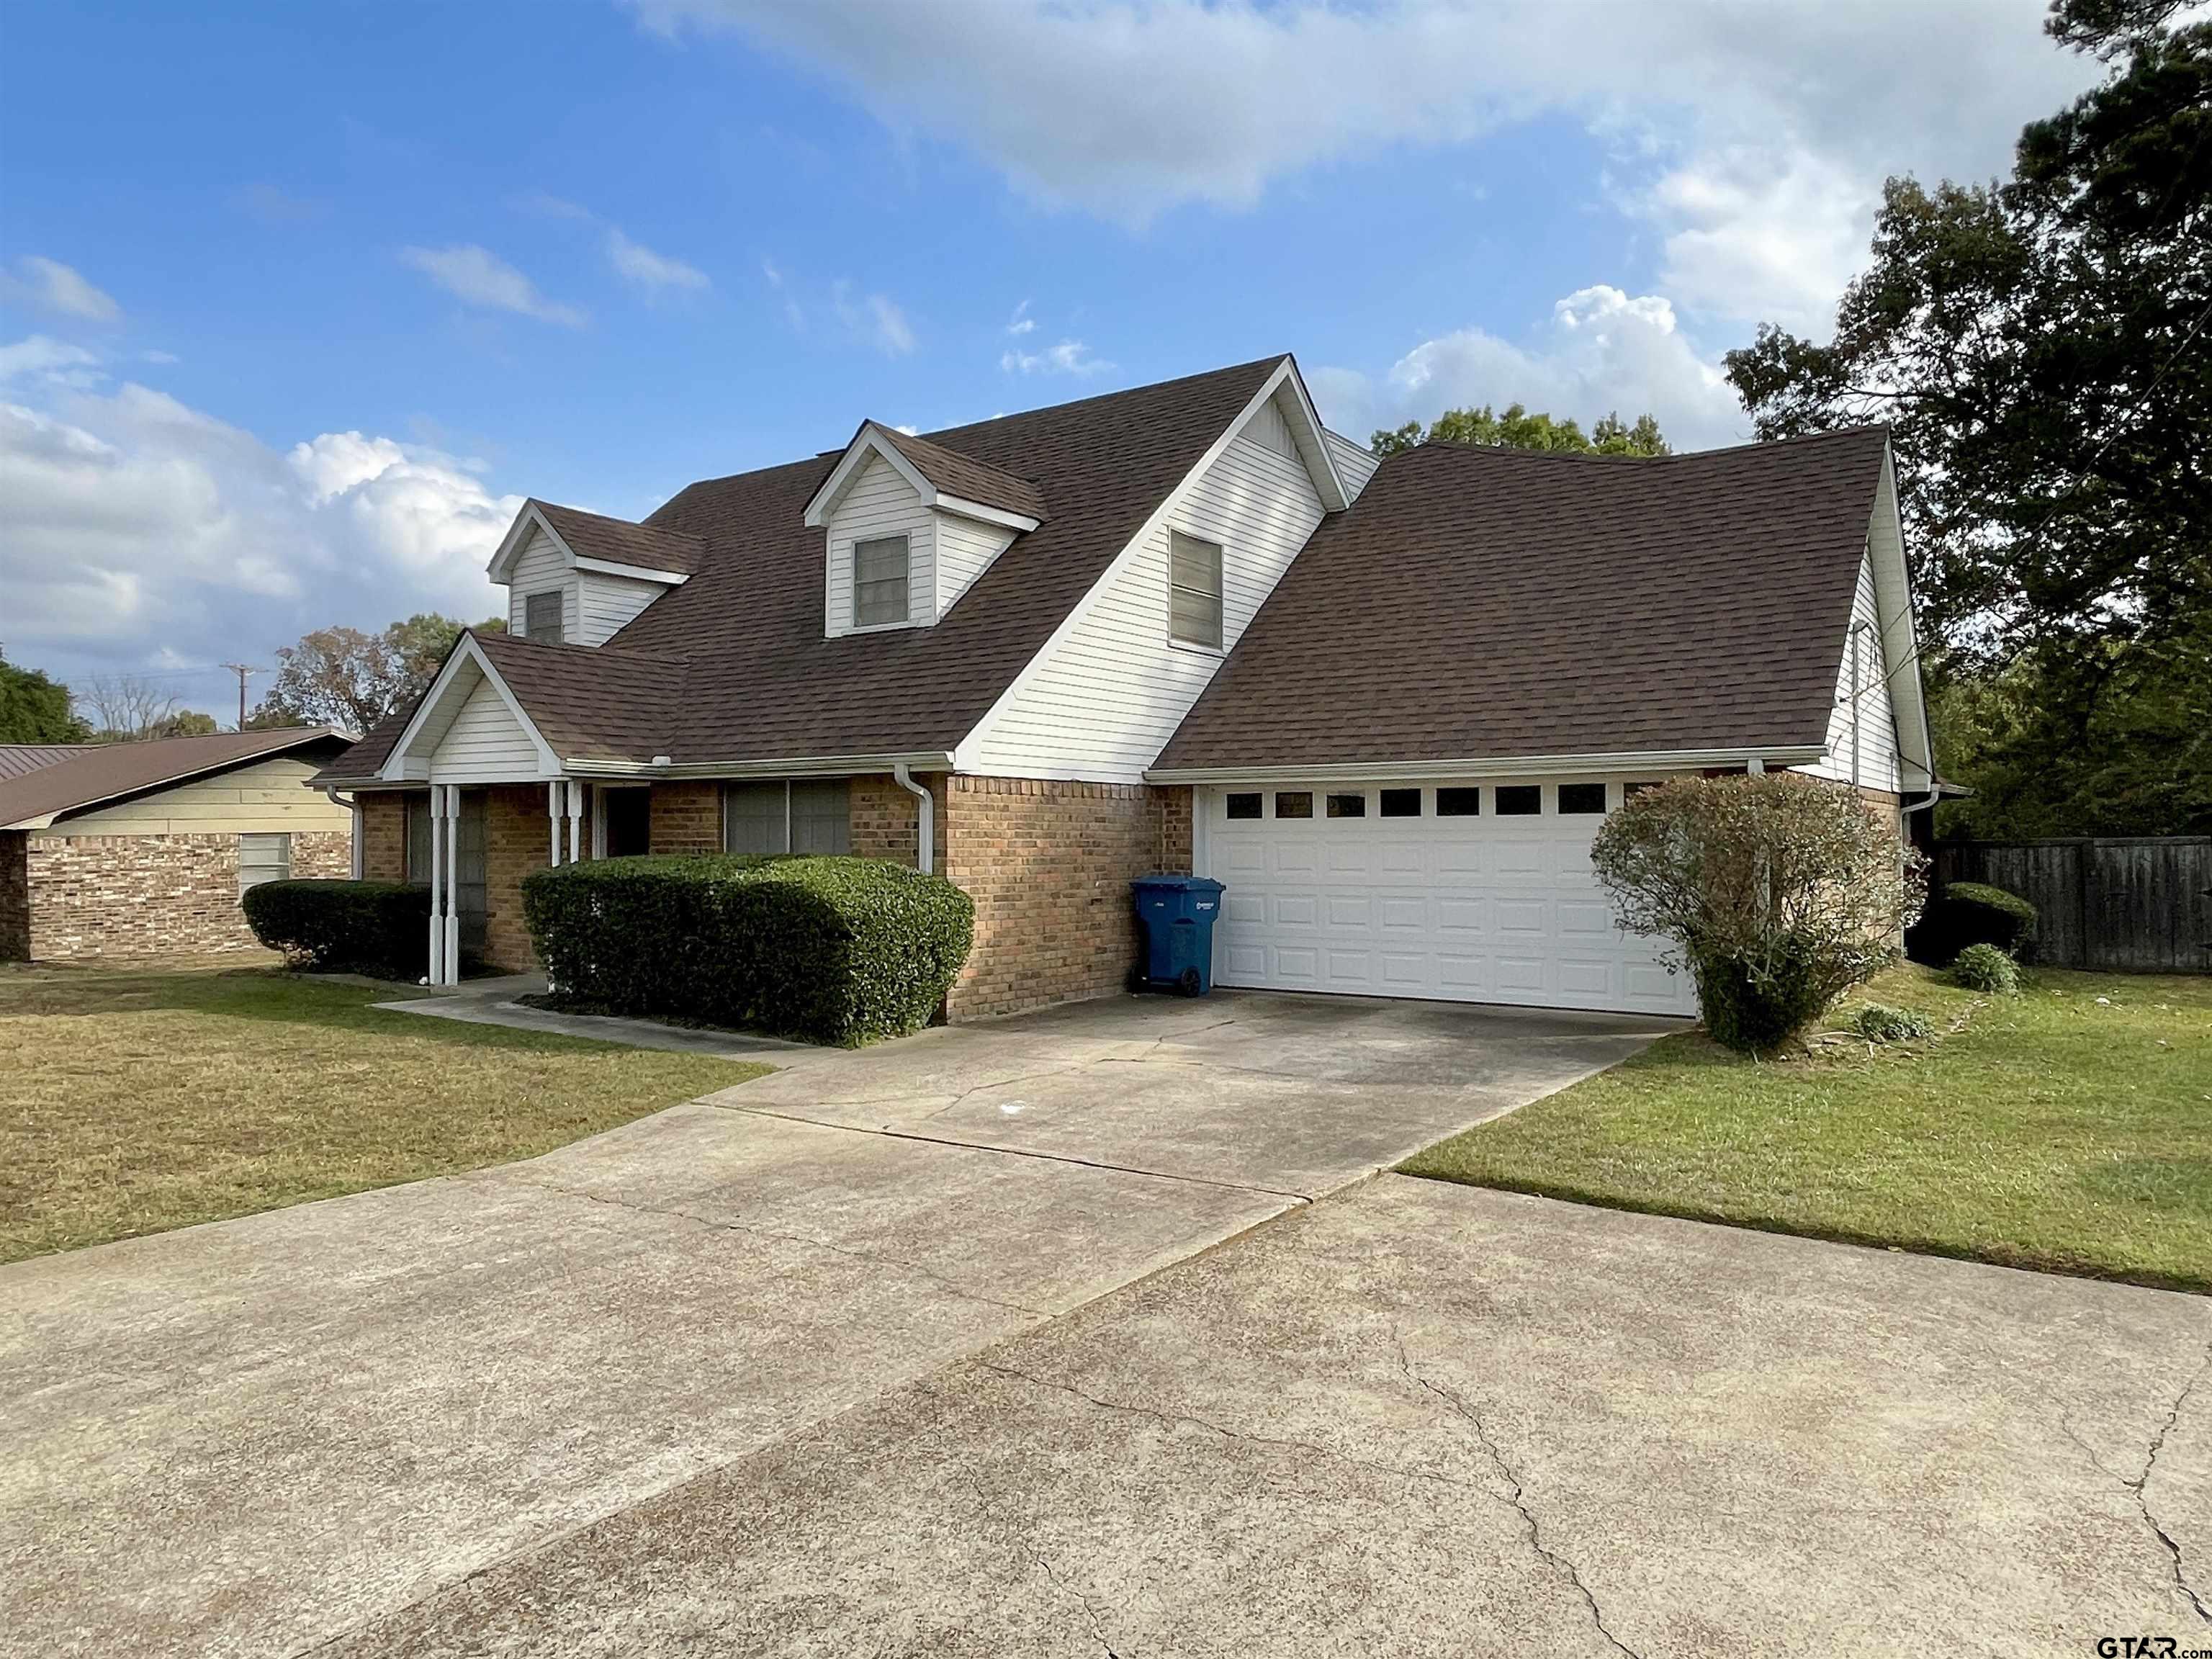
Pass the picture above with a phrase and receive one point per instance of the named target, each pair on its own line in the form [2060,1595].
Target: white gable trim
[1507,766]
[1313,443]
[870,440]
[467,653]
[527,523]
[635,572]
[968,752]
[1900,647]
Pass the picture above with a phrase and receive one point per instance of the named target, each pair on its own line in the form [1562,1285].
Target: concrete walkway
[493,1002]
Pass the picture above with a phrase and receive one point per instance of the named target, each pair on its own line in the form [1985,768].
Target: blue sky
[295,301]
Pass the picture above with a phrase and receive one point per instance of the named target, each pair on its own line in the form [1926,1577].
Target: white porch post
[437,974]
[553,815]
[575,821]
[452,884]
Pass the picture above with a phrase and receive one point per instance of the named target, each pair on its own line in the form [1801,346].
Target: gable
[268,797]
[878,501]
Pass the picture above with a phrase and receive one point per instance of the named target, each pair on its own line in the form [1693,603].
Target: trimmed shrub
[1967,913]
[1779,892]
[379,927]
[832,949]
[1879,1023]
[1985,967]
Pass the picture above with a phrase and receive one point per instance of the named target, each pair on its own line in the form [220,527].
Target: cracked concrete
[1421,1419]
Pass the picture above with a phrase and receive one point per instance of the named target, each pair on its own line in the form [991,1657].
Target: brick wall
[384,834]
[518,838]
[886,818]
[1049,864]
[1171,812]
[148,896]
[687,817]
[15,896]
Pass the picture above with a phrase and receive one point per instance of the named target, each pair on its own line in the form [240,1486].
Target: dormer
[908,526]
[576,577]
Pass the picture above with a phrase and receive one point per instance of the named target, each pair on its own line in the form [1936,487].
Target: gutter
[807,766]
[1511,766]
[353,839]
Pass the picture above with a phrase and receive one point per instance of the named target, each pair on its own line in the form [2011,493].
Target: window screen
[1347,806]
[263,858]
[804,815]
[1402,803]
[1582,798]
[419,840]
[1294,804]
[821,816]
[1245,807]
[541,616]
[753,820]
[879,588]
[1464,803]
[1520,799]
[1194,592]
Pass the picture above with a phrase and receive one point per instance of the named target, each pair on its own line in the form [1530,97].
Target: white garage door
[1465,892]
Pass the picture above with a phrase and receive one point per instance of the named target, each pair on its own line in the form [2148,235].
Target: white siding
[605,603]
[1268,429]
[879,502]
[1878,762]
[1105,700]
[268,798]
[485,743]
[541,568]
[1355,462]
[964,550]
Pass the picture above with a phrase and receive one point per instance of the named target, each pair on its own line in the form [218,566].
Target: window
[1522,800]
[879,590]
[541,616]
[1294,804]
[1347,806]
[1459,802]
[796,815]
[419,839]
[1194,592]
[1245,807]
[263,858]
[1402,803]
[1582,798]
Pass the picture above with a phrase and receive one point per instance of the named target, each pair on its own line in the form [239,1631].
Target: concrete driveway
[254,1436]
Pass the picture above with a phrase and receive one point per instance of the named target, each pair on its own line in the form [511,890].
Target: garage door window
[1459,802]
[1582,798]
[1347,806]
[1294,804]
[1402,803]
[1245,807]
[1520,799]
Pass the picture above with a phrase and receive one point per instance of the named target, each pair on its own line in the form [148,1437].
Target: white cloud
[161,357]
[1022,322]
[50,360]
[655,273]
[1068,357]
[477,276]
[1128,110]
[1602,352]
[873,317]
[52,286]
[132,526]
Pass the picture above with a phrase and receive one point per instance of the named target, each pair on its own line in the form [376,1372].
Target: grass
[135,1100]
[2067,1129]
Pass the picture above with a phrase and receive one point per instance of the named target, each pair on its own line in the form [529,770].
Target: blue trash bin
[1177,912]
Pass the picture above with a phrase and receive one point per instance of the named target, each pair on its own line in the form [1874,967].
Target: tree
[36,709]
[2041,349]
[126,708]
[1517,429]
[344,678]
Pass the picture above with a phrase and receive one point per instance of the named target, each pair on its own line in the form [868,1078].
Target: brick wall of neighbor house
[1171,821]
[383,835]
[686,818]
[518,838]
[150,895]
[15,896]
[886,818]
[1049,864]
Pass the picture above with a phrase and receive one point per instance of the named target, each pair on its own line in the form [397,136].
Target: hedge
[1970,912]
[831,949]
[379,927]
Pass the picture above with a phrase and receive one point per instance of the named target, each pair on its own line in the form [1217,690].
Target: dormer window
[541,616]
[879,582]
[1194,593]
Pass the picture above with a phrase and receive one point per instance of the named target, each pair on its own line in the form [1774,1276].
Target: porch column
[437,972]
[553,815]
[575,820]
[452,884]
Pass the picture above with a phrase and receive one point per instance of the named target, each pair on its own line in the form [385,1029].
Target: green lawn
[2068,1128]
[134,1100]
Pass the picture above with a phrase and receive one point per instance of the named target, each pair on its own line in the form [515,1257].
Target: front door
[628,821]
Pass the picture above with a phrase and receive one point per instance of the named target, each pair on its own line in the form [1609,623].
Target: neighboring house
[1179,628]
[139,849]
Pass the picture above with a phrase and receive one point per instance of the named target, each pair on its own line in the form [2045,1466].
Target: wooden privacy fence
[2136,904]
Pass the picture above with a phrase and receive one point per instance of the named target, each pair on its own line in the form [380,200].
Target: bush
[379,927]
[1985,967]
[1779,892]
[1879,1023]
[1965,913]
[832,950]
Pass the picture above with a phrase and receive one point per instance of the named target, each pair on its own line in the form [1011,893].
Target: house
[1179,628]
[139,849]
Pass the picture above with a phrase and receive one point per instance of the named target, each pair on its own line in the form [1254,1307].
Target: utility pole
[242,669]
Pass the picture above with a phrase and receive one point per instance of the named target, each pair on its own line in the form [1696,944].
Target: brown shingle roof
[1486,602]
[960,475]
[590,703]
[111,771]
[592,536]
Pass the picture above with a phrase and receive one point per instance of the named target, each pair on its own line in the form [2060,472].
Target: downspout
[925,858]
[353,807]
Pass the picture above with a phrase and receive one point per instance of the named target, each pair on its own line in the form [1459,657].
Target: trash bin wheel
[1189,982]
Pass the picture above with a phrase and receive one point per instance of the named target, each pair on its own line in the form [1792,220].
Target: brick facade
[687,817]
[150,895]
[384,834]
[1171,819]
[886,818]
[15,895]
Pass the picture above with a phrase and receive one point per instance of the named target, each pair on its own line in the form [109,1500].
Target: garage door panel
[1349,971]
[1463,977]
[1350,910]
[1403,914]
[1518,916]
[1457,914]
[1403,858]
[1406,973]
[1293,858]
[1296,965]
[1585,918]
[1239,860]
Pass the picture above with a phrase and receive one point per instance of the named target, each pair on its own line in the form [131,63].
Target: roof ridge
[1759,444]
